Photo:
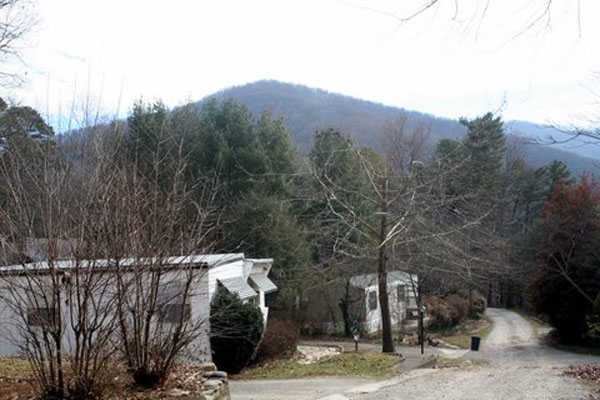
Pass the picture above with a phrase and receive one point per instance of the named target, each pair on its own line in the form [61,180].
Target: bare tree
[473,14]
[16,21]
[126,282]
[62,306]
[407,219]
[142,221]
[391,197]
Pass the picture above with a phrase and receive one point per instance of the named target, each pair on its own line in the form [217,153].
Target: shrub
[479,302]
[459,304]
[280,341]
[442,315]
[593,323]
[236,330]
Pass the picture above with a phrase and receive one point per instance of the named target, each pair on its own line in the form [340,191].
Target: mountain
[307,110]
[558,138]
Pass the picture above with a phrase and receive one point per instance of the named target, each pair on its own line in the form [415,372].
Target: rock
[411,340]
[220,392]
[212,384]
[215,374]
[177,392]
[433,341]
[207,366]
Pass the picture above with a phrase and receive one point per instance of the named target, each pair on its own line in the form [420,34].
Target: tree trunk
[471,313]
[386,323]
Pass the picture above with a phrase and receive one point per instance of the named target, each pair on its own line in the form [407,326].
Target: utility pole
[422,328]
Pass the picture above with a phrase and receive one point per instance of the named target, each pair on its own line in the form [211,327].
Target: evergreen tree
[150,145]
[336,201]
[23,127]
[557,172]
[252,162]
[236,330]
[485,144]
[229,148]
[27,145]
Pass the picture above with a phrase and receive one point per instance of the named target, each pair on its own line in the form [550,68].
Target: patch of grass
[577,349]
[15,368]
[462,341]
[16,380]
[366,364]
[461,336]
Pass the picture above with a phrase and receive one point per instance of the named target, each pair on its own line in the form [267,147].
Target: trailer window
[173,306]
[40,316]
[173,313]
[401,293]
[372,300]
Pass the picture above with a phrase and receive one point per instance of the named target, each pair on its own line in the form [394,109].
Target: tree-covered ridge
[307,110]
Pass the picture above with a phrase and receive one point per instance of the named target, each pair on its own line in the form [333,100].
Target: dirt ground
[511,364]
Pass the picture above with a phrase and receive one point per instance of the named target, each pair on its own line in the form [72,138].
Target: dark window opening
[401,293]
[172,313]
[39,316]
[372,301]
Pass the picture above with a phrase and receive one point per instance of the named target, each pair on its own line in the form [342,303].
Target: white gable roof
[238,286]
[263,283]
[199,260]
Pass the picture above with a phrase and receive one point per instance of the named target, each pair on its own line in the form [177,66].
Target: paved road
[511,364]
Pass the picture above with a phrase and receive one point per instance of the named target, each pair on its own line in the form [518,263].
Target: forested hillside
[307,110]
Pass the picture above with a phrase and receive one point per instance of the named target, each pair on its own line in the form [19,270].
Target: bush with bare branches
[116,291]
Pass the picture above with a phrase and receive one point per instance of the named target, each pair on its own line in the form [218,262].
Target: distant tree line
[459,218]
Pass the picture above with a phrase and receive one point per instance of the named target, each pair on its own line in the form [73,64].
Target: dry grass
[14,368]
[366,364]
[16,381]
[461,337]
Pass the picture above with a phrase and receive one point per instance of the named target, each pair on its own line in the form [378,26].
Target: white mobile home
[24,300]
[327,305]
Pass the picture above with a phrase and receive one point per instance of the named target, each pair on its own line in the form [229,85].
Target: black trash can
[475,343]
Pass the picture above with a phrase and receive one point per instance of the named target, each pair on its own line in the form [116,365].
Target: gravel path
[292,389]
[515,367]
[510,365]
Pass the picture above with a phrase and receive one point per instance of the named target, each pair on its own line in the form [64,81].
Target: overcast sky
[445,62]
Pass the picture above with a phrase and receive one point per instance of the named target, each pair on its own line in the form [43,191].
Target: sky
[88,58]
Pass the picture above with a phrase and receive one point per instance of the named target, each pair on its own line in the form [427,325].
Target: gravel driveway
[515,367]
[510,365]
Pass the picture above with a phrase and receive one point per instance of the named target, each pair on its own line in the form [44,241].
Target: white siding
[13,316]
[204,287]
[231,270]
[372,317]
[398,309]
